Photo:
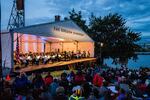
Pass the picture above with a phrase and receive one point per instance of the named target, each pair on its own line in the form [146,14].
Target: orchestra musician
[88,54]
[36,58]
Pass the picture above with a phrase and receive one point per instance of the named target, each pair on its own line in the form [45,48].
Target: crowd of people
[44,58]
[86,83]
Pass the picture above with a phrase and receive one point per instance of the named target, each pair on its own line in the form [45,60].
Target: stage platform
[56,64]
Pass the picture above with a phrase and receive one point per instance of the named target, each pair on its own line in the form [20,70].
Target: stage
[56,64]
[46,40]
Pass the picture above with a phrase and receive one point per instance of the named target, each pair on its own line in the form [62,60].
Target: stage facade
[43,38]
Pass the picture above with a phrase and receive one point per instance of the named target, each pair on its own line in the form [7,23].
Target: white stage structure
[63,35]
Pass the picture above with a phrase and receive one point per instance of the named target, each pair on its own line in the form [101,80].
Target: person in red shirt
[48,79]
[98,80]
[79,78]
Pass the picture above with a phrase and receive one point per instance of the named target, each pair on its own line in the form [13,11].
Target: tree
[77,18]
[119,40]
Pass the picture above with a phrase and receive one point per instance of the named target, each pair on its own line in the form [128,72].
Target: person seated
[88,54]
[48,79]
[48,57]
[78,54]
[45,60]
[21,59]
[122,95]
[29,58]
[72,55]
[79,78]
[69,55]
[41,57]
[37,59]
[83,55]
[53,86]
[105,91]
[77,93]
[75,55]
[20,83]
[62,56]
[33,59]
[38,81]
[98,80]
[60,94]
[24,60]
[53,57]
[57,58]
[45,94]
[65,55]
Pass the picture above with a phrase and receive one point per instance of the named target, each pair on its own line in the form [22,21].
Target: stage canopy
[62,30]
[64,35]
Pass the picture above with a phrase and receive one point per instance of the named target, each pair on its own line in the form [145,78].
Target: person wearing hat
[77,93]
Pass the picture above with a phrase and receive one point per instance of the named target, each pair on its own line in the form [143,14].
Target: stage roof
[66,30]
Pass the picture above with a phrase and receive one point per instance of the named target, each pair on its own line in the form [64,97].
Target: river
[142,61]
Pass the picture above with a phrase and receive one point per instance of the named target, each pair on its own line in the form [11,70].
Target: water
[142,61]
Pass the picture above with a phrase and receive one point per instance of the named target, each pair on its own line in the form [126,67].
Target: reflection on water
[142,61]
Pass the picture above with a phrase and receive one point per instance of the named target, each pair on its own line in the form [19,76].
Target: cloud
[122,5]
[142,20]
[101,2]
[33,21]
[136,12]
[146,34]
[107,8]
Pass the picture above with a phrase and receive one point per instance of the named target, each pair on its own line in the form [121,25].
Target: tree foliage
[119,40]
[111,30]
[77,18]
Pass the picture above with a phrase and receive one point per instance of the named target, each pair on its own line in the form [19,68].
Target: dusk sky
[136,12]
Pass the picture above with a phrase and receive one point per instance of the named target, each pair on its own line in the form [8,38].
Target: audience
[107,84]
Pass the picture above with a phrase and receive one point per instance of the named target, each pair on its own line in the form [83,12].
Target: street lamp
[101,44]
